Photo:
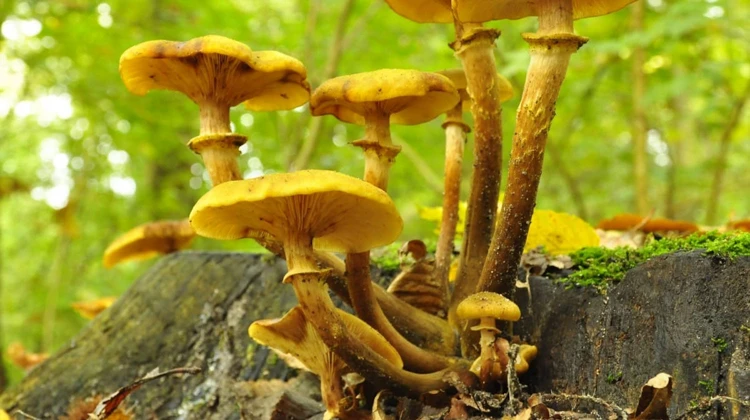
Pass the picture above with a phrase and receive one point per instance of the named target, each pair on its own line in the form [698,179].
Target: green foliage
[599,267]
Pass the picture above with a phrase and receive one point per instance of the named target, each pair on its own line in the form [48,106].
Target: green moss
[614,377]
[387,258]
[720,344]
[599,267]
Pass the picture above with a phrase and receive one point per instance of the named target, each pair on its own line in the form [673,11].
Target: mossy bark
[191,309]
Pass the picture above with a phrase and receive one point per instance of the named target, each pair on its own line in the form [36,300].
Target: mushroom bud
[488,308]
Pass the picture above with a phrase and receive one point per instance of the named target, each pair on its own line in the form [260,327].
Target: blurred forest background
[650,117]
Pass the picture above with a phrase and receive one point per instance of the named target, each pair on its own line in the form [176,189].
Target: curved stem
[455,139]
[319,309]
[474,46]
[419,327]
[363,296]
[379,155]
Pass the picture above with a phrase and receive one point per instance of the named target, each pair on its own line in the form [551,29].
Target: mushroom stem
[379,155]
[474,46]
[550,50]
[427,331]
[331,387]
[299,254]
[455,139]
[379,149]
[221,163]
[363,300]
[214,118]
[217,145]
[314,300]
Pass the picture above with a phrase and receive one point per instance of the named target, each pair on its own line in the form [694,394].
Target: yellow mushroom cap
[341,213]
[423,11]
[217,70]
[148,240]
[488,305]
[409,96]
[293,335]
[487,10]
[526,354]
[458,77]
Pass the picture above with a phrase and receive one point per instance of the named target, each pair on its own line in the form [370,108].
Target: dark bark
[668,315]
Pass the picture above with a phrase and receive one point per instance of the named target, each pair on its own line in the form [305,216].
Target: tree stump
[683,314]
[190,309]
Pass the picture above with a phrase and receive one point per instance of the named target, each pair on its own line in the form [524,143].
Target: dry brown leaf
[20,357]
[655,398]
[417,286]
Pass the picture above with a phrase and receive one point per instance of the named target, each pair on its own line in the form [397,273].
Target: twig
[514,386]
[623,415]
[707,405]
[22,414]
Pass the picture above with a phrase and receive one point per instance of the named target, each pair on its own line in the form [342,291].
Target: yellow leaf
[559,233]
[4,415]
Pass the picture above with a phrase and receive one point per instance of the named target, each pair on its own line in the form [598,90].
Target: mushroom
[148,240]
[474,46]
[455,138]
[487,307]
[314,209]
[526,354]
[217,73]
[294,335]
[550,48]
[377,99]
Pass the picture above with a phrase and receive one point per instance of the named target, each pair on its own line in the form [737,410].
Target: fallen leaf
[20,357]
[655,398]
[91,308]
[108,405]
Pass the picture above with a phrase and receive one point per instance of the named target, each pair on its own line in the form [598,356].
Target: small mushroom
[379,98]
[487,307]
[217,73]
[295,336]
[314,209]
[149,240]
[526,354]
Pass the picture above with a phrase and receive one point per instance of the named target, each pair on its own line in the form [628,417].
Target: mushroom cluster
[309,215]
